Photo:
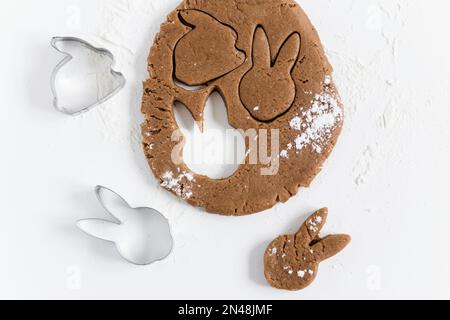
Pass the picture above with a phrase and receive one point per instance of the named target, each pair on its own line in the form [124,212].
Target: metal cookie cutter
[118,77]
[142,235]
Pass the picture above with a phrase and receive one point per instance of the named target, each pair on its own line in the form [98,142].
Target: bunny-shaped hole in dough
[218,150]
[267,90]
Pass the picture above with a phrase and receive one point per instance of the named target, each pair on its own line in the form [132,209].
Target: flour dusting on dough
[273,251]
[181,185]
[316,125]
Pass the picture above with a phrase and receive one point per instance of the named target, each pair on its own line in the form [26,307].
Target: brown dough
[207,52]
[292,261]
[266,60]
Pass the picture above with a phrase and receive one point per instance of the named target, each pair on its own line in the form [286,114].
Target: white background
[386,184]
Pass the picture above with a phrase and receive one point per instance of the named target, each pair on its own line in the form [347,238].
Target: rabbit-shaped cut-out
[141,235]
[207,52]
[212,148]
[292,261]
[268,90]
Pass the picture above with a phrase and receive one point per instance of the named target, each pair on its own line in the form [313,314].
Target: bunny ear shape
[330,246]
[101,229]
[194,18]
[310,230]
[113,203]
[261,49]
[289,52]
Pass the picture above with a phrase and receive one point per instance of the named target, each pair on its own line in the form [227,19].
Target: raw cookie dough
[266,60]
[291,262]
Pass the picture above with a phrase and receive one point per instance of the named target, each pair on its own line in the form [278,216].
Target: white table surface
[386,184]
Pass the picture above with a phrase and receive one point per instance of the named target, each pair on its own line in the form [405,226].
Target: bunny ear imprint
[289,52]
[261,49]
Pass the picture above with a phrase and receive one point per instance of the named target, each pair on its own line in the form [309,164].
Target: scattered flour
[285,153]
[363,167]
[180,184]
[313,224]
[302,273]
[273,251]
[316,125]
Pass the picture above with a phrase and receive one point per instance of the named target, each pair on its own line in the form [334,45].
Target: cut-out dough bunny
[207,52]
[292,261]
[268,90]
[141,235]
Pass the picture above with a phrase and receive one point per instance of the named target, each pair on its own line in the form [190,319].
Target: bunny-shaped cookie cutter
[142,235]
[68,57]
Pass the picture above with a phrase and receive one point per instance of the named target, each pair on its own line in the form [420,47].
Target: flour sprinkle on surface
[316,125]
[180,184]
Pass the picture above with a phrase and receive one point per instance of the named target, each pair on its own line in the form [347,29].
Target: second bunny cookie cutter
[141,235]
[119,79]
